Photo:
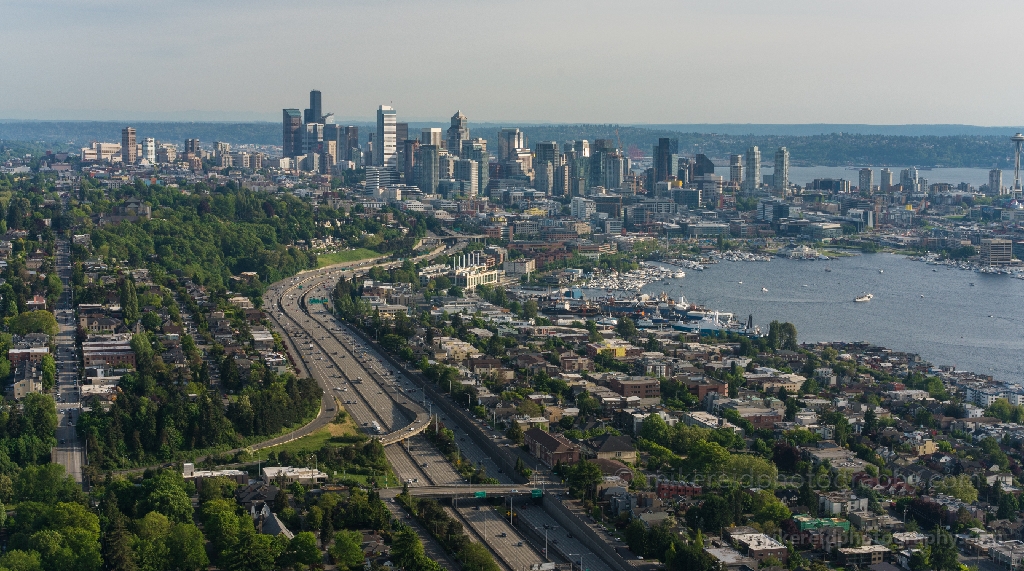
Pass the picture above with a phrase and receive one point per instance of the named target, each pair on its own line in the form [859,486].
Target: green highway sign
[480,494]
[536,493]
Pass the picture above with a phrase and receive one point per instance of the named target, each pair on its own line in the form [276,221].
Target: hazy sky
[595,61]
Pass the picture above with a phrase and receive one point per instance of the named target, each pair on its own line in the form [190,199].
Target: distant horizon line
[524,123]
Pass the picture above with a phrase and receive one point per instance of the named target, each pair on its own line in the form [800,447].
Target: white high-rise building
[753,168]
[995,182]
[736,169]
[781,174]
[149,149]
[385,147]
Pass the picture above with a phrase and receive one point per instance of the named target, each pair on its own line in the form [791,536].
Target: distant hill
[824,144]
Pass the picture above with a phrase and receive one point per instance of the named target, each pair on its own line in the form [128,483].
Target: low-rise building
[289,475]
[863,555]
[551,448]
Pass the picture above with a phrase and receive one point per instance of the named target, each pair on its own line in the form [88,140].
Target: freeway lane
[370,390]
[69,452]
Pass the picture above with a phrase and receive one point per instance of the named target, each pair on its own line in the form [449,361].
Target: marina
[936,314]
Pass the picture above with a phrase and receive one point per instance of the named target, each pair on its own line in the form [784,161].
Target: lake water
[976,327]
[954,176]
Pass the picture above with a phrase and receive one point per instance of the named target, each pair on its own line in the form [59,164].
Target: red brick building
[551,448]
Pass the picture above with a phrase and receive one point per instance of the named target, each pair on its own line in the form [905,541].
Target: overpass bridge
[466,491]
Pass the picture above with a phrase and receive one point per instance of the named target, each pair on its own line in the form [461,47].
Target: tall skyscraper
[129,148]
[149,149]
[736,169]
[351,135]
[781,175]
[865,183]
[885,180]
[510,141]
[291,137]
[385,147]
[315,111]
[546,152]
[458,132]
[429,168]
[665,158]
[468,171]
[908,179]
[431,136]
[411,147]
[192,147]
[753,168]
[995,182]
[401,131]
[1018,140]
[476,149]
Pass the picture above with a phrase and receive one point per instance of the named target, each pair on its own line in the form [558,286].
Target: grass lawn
[342,431]
[344,256]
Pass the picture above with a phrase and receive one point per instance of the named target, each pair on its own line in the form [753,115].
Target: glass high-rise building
[753,168]
[385,146]
[315,111]
[781,175]
[292,132]
[429,168]
[736,169]
[665,158]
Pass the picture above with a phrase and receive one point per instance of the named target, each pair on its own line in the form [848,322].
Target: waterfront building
[753,167]
[908,179]
[885,180]
[864,183]
[129,148]
[995,182]
[385,147]
[781,174]
[736,169]
[996,251]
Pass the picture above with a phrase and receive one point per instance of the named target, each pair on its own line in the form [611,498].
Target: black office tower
[315,111]
[702,166]
[665,154]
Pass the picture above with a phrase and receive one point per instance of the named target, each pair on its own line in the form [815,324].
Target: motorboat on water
[863,298]
[679,275]
[764,289]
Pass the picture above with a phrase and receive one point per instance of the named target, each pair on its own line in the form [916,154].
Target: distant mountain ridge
[817,144]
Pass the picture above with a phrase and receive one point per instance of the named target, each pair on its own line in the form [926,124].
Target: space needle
[1018,140]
